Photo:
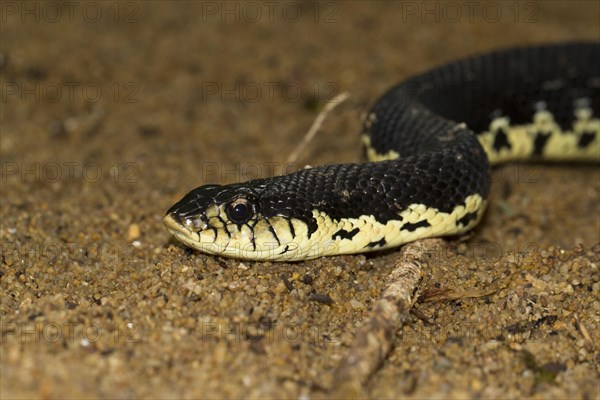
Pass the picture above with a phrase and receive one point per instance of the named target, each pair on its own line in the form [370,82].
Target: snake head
[196,209]
[229,220]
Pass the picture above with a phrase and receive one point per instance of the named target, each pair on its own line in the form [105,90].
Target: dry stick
[330,105]
[375,338]
[585,333]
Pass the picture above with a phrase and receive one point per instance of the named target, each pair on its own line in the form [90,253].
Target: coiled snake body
[430,141]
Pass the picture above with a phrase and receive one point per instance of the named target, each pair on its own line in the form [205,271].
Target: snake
[430,144]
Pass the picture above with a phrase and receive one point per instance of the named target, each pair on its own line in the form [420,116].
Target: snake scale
[430,142]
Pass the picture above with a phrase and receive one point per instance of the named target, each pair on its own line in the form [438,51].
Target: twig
[375,338]
[330,105]
[585,333]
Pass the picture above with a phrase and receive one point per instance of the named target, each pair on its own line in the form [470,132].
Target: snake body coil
[430,141]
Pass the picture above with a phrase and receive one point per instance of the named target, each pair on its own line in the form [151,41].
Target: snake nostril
[173,222]
[179,219]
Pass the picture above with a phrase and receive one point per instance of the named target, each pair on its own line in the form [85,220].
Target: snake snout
[174,224]
[186,219]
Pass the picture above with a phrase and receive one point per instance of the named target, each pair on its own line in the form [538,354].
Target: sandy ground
[112,111]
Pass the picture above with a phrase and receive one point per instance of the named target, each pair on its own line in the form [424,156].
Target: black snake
[430,141]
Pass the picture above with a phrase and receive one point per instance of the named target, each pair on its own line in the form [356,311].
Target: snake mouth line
[179,231]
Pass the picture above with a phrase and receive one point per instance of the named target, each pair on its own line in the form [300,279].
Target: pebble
[133,232]
[357,305]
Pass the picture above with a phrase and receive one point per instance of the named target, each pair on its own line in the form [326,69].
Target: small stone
[357,305]
[193,287]
[261,288]
[280,288]
[476,385]
[554,367]
[133,232]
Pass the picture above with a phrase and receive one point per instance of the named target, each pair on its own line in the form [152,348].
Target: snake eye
[240,211]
